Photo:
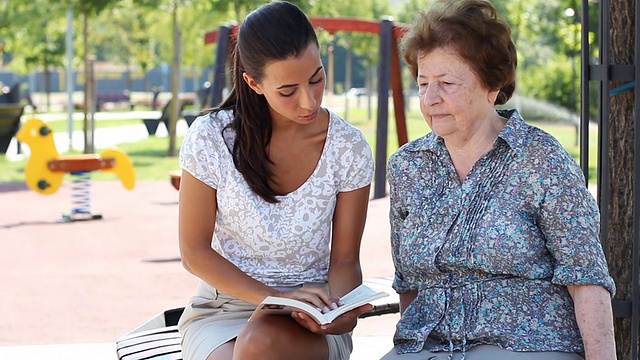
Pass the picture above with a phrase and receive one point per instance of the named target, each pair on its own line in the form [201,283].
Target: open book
[274,305]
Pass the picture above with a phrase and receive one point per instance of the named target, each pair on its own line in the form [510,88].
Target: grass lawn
[61,125]
[150,160]
[149,157]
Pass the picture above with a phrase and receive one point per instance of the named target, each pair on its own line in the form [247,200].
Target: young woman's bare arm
[345,272]
[349,219]
[196,222]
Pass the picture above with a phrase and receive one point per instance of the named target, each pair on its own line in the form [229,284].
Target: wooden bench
[10,115]
[176,176]
[152,124]
[113,97]
[159,338]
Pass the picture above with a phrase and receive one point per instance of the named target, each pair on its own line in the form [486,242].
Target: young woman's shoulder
[204,152]
[217,119]
[341,128]
[207,131]
[350,152]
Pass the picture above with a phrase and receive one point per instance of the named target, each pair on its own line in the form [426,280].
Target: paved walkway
[71,289]
[91,282]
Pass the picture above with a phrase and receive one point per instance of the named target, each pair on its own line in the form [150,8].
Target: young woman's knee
[277,337]
[261,338]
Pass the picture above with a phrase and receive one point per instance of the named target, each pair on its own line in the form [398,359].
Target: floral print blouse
[490,257]
[287,243]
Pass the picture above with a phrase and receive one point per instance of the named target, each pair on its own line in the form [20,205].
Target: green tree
[123,36]
[91,9]
[29,49]
[236,8]
[175,76]
[87,9]
[363,45]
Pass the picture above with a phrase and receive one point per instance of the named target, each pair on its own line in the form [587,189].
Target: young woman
[273,200]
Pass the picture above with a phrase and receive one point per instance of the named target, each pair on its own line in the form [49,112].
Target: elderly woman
[494,233]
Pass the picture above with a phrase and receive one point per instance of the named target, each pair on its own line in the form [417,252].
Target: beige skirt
[213,318]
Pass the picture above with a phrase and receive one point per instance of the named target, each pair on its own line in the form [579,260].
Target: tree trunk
[620,153]
[347,79]
[176,105]
[330,75]
[47,85]
[85,56]
[90,93]
[369,86]
[129,85]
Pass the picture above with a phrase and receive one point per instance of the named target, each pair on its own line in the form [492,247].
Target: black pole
[384,80]
[222,52]
[584,91]
[604,113]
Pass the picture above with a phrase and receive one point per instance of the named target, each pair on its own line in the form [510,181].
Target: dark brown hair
[473,30]
[272,32]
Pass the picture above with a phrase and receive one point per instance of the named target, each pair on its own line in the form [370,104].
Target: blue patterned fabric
[490,257]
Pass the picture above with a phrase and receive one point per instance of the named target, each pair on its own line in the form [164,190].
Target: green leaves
[138,33]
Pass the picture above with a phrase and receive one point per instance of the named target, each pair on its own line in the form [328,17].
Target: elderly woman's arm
[406,298]
[595,320]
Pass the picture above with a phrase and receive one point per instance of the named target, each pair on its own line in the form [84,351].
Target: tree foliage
[29,49]
[122,36]
[238,9]
[139,34]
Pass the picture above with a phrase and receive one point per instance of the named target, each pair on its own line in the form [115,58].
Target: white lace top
[281,244]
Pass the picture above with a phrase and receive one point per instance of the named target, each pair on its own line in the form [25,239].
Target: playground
[77,287]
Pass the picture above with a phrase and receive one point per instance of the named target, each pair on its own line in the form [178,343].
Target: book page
[360,293]
[359,296]
[273,305]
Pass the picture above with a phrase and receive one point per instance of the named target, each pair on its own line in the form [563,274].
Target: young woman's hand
[315,296]
[342,324]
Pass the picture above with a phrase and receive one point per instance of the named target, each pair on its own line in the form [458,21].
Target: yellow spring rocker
[45,168]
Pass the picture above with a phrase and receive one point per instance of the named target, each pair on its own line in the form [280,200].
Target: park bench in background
[190,115]
[159,338]
[113,97]
[12,96]
[152,124]
[203,100]
[9,123]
